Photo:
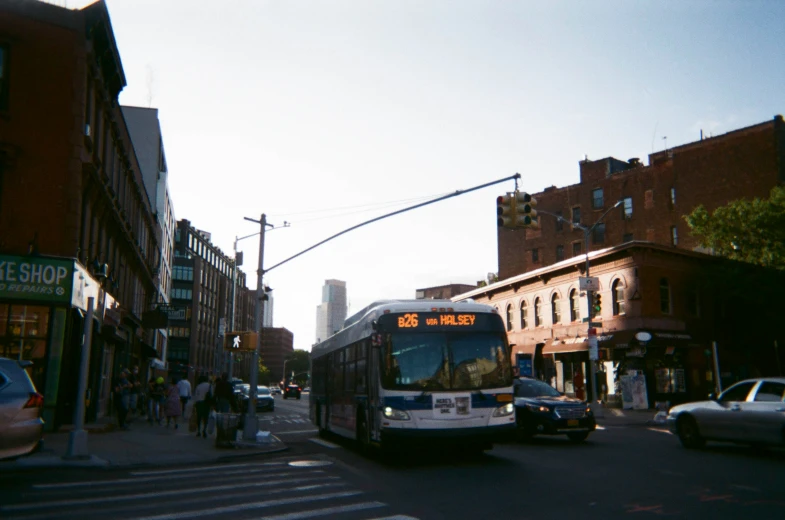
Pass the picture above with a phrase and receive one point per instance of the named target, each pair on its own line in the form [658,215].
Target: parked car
[307,390]
[542,410]
[264,400]
[749,412]
[276,390]
[292,391]
[21,426]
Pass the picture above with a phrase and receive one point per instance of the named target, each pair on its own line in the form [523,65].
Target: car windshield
[446,361]
[262,390]
[534,388]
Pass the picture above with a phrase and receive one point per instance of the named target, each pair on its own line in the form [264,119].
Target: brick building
[72,198]
[744,163]
[443,292]
[684,300]
[277,345]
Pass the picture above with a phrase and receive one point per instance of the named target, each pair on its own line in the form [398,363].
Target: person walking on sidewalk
[184,386]
[122,392]
[157,393]
[224,395]
[202,398]
[172,406]
[135,390]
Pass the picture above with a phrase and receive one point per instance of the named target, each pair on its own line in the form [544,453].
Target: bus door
[373,389]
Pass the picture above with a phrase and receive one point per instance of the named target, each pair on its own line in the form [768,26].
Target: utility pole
[251,425]
[231,327]
[77,439]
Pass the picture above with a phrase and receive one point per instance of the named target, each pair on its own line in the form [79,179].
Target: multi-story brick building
[744,163]
[72,199]
[443,292]
[670,293]
[277,345]
[202,295]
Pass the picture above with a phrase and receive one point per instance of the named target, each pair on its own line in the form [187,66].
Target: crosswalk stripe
[325,511]
[201,468]
[180,492]
[323,442]
[298,431]
[250,505]
[397,517]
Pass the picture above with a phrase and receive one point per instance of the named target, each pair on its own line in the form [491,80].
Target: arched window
[575,305]
[537,312]
[665,296]
[509,317]
[617,293]
[555,309]
[524,314]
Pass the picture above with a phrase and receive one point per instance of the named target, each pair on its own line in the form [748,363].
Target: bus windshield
[445,360]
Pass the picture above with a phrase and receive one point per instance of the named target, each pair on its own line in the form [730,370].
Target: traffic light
[597,303]
[526,205]
[506,214]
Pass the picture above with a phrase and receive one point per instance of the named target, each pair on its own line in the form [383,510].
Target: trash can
[226,426]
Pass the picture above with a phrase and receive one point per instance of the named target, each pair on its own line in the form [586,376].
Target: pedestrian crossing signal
[240,341]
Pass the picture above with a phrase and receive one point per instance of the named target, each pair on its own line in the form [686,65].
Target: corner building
[745,163]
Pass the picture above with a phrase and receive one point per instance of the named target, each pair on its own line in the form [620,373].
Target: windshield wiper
[421,398]
[482,395]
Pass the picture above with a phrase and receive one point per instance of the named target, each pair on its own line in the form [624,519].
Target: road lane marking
[323,442]
[397,517]
[326,511]
[250,505]
[202,468]
[298,431]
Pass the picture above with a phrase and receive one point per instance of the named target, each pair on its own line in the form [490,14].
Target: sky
[328,114]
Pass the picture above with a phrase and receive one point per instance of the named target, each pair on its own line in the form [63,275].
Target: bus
[408,372]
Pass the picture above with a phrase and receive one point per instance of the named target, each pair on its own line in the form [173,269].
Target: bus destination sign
[413,320]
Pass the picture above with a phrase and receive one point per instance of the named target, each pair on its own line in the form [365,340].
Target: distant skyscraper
[331,313]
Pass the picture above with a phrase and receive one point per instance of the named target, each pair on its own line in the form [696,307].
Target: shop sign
[36,278]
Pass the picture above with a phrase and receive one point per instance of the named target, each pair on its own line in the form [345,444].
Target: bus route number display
[412,320]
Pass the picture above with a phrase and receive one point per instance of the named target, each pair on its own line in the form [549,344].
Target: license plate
[572,422]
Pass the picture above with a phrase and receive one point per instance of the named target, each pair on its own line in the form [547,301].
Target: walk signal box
[239,341]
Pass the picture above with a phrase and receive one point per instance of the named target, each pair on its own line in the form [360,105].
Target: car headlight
[504,411]
[538,408]
[588,409]
[395,415]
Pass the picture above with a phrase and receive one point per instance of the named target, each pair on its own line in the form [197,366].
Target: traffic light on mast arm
[526,208]
[506,211]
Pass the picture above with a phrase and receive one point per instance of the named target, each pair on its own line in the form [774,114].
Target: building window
[627,237]
[575,305]
[509,317]
[693,302]
[576,248]
[559,221]
[627,208]
[665,296]
[597,199]
[674,236]
[673,196]
[555,309]
[598,235]
[576,215]
[535,255]
[524,314]
[559,253]
[3,78]
[617,293]
[537,312]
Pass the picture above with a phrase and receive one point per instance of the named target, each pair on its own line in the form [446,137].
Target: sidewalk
[142,444]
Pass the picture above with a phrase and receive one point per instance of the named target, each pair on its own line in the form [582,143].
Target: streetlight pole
[234,304]
[586,233]
[251,426]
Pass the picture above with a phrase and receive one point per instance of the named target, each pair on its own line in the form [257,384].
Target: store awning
[558,346]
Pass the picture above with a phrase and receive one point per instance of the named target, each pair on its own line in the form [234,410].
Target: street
[620,472]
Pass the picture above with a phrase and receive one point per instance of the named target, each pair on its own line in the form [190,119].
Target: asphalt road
[620,472]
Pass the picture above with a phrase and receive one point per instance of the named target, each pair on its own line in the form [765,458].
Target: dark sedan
[292,391]
[264,400]
[541,410]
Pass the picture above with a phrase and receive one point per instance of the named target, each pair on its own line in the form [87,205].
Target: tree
[298,361]
[749,231]
[264,374]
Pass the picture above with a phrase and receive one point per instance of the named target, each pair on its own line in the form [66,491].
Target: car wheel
[689,435]
[577,436]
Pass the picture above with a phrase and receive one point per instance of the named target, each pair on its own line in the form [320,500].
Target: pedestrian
[184,386]
[224,394]
[135,390]
[578,385]
[602,383]
[157,395]
[172,406]
[202,398]
[122,392]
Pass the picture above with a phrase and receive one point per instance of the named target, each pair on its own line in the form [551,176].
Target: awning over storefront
[658,338]
[558,346]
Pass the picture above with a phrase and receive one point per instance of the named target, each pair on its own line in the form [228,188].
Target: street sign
[240,341]
[594,352]
[590,283]
[595,324]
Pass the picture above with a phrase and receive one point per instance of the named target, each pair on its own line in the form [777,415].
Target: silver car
[21,426]
[750,412]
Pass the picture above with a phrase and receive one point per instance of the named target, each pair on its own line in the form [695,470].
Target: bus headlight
[504,411]
[395,415]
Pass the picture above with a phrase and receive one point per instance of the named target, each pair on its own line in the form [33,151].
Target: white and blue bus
[415,370]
